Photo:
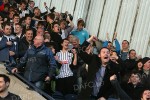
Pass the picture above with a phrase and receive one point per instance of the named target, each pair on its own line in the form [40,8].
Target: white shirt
[65,70]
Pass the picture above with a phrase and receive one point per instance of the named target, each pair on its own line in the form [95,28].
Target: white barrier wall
[129,18]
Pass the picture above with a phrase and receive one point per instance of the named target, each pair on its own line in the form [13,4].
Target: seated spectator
[4,93]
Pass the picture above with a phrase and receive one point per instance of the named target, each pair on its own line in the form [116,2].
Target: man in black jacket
[4,93]
[40,63]
[99,71]
[25,43]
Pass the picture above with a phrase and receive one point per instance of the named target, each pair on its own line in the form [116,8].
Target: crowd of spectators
[63,60]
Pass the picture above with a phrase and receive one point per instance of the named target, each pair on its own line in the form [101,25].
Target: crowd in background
[63,60]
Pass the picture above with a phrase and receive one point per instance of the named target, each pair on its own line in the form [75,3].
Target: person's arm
[81,50]
[117,45]
[105,43]
[86,35]
[70,22]
[52,63]
[22,62]
[120,91]
[4,44]
[75,57]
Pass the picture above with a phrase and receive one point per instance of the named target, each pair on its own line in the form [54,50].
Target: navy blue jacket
[4,49]
[39,62]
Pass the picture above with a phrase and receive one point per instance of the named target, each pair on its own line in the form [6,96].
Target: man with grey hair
[39,63]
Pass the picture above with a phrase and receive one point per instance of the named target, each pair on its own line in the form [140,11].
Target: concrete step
[20,88]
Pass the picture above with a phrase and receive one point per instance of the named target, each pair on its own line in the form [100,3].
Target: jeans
[40,84]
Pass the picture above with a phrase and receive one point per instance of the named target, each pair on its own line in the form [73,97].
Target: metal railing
[45,95]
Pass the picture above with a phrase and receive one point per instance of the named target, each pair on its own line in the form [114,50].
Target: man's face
[104,55]
[38,41]
[70,38]
[37,12]
[29,35]
[28,21]
[134,79]
[125,45]
[18,29]
[16,19]
[65,44]
[109,46]
[11,14]
[5,1]
[147,65]
[3,85]
[132,55]
[32,4]
[75,43]
[56,28]
[23,6]
[80,27]
[7,30]
[40,32]
[146,95]
[62,25]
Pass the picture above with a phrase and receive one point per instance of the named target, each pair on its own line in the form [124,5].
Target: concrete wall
[19,88]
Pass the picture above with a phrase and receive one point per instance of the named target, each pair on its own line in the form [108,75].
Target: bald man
[39,63]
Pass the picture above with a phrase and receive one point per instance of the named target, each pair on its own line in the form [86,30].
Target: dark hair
[54,24]
[81,22]
[49,45]
[6,78]
[135,72]
[145,89]
[40,23]
[19,24]
[26,16]
[63,21]
[64,40]
[103,48]
[51,16]
[131,50]
[16,15]
[126,41]
[109,42]
[5,24]
[28,30]
[23,2]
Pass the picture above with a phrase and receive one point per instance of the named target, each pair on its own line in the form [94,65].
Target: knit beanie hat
[145,59]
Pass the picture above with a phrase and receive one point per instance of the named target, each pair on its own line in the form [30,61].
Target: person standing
[40,63]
